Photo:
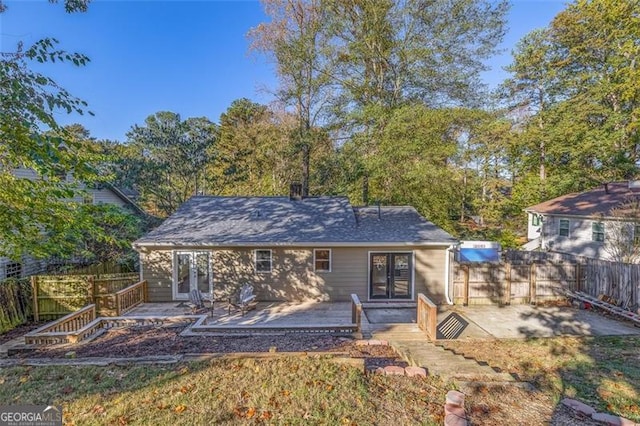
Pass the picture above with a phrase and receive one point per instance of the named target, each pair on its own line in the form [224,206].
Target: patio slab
[266,313]
[525,321]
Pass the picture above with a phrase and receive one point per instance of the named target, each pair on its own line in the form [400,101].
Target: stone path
[412,344]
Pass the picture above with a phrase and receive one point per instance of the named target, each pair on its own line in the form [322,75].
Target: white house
[603,222]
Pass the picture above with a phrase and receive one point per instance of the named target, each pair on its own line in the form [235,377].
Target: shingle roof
[236,221]
[595,202]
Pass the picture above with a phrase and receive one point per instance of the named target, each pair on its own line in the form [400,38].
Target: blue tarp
[479,255]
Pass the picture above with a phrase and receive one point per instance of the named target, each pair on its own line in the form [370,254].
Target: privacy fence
[531,277]
[15,303]
[112,294]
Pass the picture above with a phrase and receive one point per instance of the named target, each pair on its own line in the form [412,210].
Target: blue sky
[190,57]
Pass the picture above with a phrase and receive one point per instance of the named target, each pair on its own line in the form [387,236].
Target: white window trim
[330,260]
[568,228]
[255,261]
[594,232]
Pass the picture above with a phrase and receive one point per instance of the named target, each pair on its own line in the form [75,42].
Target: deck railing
[130,297]
[71,328]
[427,316]
[356,312]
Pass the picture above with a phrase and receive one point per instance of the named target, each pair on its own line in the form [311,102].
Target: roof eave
[442,243]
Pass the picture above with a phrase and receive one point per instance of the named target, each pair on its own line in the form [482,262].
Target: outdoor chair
[244,300]
[197,302]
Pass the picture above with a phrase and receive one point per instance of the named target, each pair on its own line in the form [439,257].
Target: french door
[192,270]
[390,275]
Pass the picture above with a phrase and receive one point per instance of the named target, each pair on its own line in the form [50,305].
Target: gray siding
[293,277]
[157,270]
[107,196]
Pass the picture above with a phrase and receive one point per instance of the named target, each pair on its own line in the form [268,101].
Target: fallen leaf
[99,409]
[251,412]
[266,415]
[180,408]
[123,421]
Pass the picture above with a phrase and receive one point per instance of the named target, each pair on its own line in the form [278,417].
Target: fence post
[578,277]
[466,285]
[92,287]
[34,292]
[507,293]
[145,292]
[532,284]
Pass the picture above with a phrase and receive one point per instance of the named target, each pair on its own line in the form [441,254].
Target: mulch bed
[141,341]
[20,330]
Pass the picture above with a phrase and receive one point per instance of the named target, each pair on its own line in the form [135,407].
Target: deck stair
[412,344]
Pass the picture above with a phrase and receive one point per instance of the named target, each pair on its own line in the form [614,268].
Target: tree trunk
[306,155]
[365,189]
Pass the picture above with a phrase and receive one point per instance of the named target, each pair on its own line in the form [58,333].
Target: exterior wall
[533,231]
[579,242]
[292,276]
[106,196]
[29,266]
[157,268]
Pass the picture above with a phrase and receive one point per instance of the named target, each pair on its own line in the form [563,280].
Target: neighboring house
[590,223]
[294,248]
[104,193]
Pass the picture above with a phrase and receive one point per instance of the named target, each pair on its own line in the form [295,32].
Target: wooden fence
[15,303]
[506,283]
[528,277]
[54,296]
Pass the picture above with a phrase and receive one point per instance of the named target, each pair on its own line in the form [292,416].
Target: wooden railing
[130,297]
[69,329]
[356,312]
[427,316]
[55,296]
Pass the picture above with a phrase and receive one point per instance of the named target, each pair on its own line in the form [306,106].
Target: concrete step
[413,345]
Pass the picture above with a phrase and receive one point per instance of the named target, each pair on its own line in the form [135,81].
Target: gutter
[291,244]
[447,273]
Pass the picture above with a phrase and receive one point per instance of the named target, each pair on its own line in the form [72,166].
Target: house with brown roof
[603,222]
[295,248]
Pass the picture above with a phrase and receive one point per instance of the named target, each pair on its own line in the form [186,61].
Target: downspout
[447,269]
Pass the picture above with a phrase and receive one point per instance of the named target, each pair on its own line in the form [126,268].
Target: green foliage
[34,212]
[167,158]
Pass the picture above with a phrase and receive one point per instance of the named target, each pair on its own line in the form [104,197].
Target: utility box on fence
[478,251]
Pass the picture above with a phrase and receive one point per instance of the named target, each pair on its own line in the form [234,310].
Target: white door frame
[193,271]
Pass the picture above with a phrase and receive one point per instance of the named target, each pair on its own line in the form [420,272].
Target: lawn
[603,372]
[289,390]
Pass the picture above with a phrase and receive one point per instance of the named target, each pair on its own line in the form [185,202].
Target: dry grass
[274,391]
[601,371]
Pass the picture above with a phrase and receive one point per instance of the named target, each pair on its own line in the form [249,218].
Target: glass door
[379,276]
[192,271]
[400,281]
[390,276]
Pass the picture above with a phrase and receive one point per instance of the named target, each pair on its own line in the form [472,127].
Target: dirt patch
[20,330]
[166,340]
